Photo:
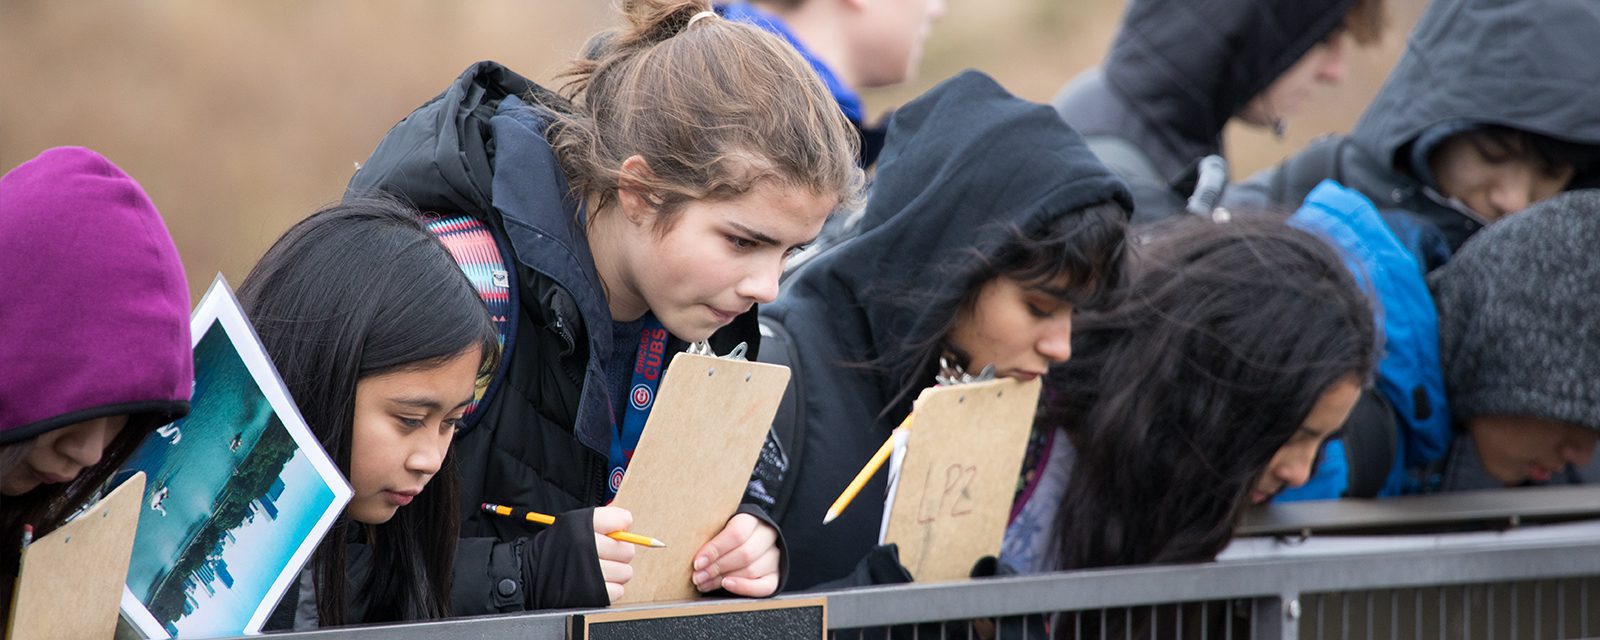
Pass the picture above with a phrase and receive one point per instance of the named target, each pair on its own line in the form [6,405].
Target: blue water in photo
[236,540]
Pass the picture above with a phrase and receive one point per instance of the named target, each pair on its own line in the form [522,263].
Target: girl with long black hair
[380,341]
[1205,385]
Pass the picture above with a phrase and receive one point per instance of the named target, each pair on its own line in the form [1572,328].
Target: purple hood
[94,306]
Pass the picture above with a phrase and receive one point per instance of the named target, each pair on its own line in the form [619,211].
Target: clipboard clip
[951,373]
[703,348]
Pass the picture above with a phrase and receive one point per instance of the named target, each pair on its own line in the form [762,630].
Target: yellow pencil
[866,474]
[534,516]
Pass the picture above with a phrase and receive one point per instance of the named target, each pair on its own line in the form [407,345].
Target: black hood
[1525,64]
[1185,67]
[963,166]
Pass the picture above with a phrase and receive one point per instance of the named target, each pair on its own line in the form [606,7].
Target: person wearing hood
[97,354]
[650,206]
[1467,129]
[1180,70]
[988,223]
[851,44]
[1517,326]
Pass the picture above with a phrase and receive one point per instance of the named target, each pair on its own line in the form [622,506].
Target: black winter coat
[1179,70]
[965,166]
[541,436]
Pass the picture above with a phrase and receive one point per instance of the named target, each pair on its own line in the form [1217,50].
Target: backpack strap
[481,255]
[1370,435]
[1124,159]
[786,440]
[1302,172]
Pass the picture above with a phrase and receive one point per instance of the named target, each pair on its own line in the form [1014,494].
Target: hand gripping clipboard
[69,583]
[693,462]
[951,494]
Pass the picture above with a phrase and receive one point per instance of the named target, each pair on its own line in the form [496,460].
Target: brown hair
[1366,21]
[713,108]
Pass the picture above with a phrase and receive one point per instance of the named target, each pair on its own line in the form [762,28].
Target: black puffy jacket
[541,436]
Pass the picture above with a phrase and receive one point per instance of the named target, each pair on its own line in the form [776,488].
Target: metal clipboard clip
[953,374]
[703,348]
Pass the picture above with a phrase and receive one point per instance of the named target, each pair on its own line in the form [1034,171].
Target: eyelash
[741,244]
[1037,312]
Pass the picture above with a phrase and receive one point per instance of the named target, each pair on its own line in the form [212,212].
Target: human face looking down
[403,424]
[886,39]
[710,262]
[1516,449]
[59,455]
[1324,64]
[1494,183]
[1291,465]
[1020,330]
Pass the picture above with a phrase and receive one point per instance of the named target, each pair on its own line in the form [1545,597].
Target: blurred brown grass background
[241,117]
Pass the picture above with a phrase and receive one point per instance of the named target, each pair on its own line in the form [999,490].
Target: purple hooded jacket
[94,306]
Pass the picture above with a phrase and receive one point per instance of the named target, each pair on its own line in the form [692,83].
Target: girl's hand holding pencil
[612,543]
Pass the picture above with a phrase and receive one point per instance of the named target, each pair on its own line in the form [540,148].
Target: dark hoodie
[1180,69]
[1524,64]
[963,166]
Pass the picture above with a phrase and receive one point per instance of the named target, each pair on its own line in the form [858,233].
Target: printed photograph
[233,503]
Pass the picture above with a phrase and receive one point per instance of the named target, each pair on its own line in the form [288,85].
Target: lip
[1258,496]
[50,478]
[401,498]
[1538,473]
[723,317]
[1026,376]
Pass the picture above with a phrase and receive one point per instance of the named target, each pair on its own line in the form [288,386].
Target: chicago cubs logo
[616,479]
[641,397]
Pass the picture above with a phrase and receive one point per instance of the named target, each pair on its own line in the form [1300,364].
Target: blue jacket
[1410,377]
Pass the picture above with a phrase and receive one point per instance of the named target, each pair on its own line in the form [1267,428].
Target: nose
[1511,194]
[428,457]
[87,442]
[761,285]
[1055,343]
[1335,66]
[936,9]
[1295,471]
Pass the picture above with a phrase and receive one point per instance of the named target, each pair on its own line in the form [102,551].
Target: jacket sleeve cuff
[562,566]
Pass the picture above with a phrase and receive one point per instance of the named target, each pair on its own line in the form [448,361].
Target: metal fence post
[1276,618]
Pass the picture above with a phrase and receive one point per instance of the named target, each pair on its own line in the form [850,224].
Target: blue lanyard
[647,369]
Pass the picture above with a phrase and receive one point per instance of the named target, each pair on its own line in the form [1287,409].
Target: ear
[633,194]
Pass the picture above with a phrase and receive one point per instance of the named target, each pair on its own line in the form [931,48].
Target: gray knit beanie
[1519,315]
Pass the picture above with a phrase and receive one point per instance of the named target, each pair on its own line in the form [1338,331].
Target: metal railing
[1506,587]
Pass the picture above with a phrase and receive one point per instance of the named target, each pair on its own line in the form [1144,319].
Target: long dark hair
[1083,248]
[356,290]
[1195,373]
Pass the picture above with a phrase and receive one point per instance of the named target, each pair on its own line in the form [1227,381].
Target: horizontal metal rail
[1274,585]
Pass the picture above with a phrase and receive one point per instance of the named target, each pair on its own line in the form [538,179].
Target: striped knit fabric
[474,248]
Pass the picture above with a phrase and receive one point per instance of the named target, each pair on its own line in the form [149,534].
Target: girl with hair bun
[649,204]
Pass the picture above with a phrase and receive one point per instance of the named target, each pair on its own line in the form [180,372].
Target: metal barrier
[1505,587]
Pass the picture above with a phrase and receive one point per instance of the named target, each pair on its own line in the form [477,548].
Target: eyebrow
[426,403]
[762,238]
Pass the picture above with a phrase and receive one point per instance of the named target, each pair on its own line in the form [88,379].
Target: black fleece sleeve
[562,566]
[557,569]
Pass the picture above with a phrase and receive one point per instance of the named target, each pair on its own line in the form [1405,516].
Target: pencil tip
[657,544]
[831,515]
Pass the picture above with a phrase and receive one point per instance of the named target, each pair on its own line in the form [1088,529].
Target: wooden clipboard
[69,583]
[693,462]
[956,483]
